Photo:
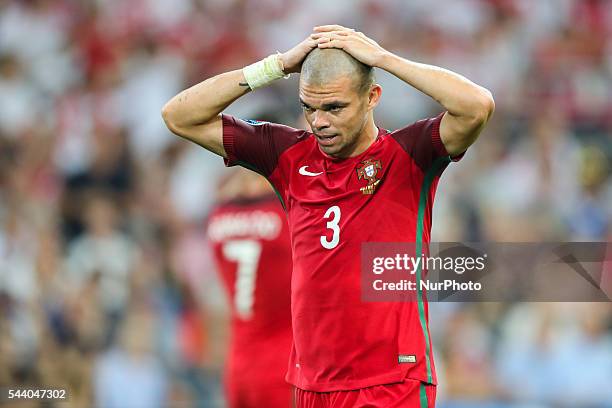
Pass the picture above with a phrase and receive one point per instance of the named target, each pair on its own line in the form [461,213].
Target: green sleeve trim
[435,168]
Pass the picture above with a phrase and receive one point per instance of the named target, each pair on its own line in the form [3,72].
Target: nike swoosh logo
[305,172]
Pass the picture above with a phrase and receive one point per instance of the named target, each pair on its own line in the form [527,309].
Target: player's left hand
[355,43]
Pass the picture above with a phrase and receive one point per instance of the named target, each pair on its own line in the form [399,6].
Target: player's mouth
[327,140]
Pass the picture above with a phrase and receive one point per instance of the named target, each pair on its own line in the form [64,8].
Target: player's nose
[320,120]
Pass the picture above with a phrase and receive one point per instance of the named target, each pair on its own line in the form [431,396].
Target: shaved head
[338,96]
[324,65]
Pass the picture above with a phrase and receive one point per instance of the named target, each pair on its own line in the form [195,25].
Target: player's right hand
[292,59]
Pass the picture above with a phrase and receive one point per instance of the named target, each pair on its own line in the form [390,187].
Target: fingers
[322,38]
[337,36]
[331,27]
[332,44]
[310,42]
[306,45]
[334,34]
[327,38]
[325,30]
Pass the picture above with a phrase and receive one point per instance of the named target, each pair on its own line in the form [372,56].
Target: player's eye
[335,109]
[307,108]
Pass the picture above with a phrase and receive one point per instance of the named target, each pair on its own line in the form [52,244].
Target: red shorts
[258,395]
[409,394]
[255,375]
[254,393]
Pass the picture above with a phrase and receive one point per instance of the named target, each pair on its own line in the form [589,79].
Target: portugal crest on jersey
[368,170]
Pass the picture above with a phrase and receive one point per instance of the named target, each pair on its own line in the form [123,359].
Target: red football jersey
[253,255]
[385,194]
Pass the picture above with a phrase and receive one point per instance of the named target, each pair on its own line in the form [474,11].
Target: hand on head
[292,59]
[355,43]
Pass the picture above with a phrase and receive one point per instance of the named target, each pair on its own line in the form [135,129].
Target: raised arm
[469,105]
[194,114]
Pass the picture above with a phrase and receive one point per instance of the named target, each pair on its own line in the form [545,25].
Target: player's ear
[374,96]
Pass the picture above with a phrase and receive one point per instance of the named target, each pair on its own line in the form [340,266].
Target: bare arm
[469,105]
[195,112]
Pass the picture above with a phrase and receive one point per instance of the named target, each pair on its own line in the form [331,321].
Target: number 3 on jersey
[333,213]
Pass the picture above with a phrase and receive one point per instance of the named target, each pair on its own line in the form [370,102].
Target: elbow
[168,116]
[476,108]
[485,106]
[166,113]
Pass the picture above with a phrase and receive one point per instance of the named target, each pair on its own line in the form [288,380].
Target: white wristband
[264,72]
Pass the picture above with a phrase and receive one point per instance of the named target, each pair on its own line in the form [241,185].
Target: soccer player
[250,240]
[346,183]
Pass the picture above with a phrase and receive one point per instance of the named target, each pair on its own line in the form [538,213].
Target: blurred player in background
[248,231]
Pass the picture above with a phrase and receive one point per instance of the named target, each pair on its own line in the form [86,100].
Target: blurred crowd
[106,282]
